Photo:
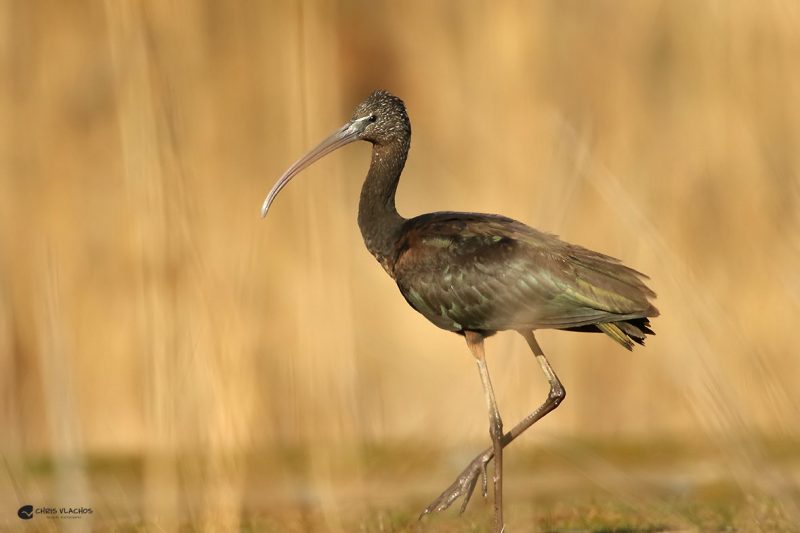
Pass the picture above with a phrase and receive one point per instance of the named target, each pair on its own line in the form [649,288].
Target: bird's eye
[372,118]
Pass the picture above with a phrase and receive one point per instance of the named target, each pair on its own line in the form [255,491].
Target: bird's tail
[628,331]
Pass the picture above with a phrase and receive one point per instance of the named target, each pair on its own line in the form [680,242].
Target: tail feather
[613,330]
[624,332]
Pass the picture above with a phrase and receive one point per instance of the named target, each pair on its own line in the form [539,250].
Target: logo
[25,512]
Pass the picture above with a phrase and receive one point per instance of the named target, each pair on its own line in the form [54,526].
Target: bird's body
[477,274]
[488,273]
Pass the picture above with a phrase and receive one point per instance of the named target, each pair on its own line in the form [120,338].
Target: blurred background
[174,362]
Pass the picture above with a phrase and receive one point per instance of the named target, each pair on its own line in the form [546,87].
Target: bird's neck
[378,218]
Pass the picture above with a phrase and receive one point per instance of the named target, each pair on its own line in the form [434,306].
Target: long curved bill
[346,134]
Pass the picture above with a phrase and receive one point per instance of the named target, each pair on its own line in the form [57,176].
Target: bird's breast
[386,263]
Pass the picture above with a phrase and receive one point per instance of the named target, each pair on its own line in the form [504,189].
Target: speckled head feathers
[390,122]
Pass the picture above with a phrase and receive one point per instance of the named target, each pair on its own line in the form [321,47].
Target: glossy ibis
[476,274]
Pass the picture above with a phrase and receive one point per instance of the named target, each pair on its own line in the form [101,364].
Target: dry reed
[146,312]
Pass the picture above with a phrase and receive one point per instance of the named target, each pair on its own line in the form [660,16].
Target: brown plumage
[476,274]
[487,273]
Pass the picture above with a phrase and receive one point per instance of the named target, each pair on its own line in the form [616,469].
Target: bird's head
[385,118]
[380,119]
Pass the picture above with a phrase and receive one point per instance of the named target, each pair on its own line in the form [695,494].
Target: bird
[478,274]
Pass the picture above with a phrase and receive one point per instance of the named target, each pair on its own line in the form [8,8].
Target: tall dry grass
[146,312]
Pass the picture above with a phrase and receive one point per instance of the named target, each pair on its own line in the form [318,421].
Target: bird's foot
[464,485]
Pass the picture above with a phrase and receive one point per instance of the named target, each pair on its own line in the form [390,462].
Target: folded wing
[467,271]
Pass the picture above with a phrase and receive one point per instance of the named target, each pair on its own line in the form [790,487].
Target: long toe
[464,485]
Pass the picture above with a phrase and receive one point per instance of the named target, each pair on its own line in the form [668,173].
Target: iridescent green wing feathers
[466,271]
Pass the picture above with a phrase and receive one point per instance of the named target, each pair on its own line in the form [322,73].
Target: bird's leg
[464,485]
[475,344]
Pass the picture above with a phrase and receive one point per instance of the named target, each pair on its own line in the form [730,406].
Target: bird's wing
[486,272]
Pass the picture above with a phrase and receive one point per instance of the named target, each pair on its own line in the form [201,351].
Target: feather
[466,271]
